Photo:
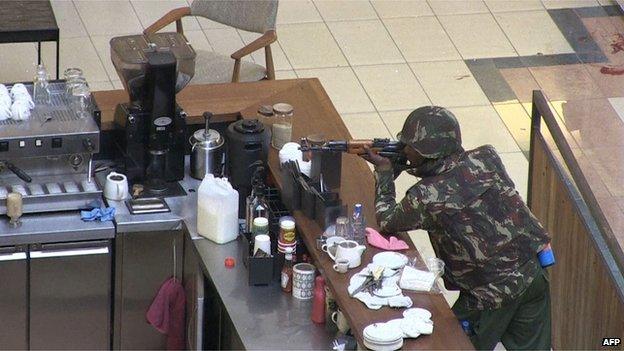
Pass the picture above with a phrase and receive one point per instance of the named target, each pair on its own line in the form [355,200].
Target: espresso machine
[48,157]
[150,129]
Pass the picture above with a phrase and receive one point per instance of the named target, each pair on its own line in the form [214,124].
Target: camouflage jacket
[477,223]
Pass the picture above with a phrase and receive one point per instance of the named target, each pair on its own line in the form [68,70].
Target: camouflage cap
[432,131]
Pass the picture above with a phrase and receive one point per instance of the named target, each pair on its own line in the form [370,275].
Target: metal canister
[207,152]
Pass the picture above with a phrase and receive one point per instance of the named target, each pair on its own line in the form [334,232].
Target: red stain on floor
[611,70]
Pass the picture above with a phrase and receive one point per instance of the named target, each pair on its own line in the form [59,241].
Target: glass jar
[41,86]
[281,129]
[81,101]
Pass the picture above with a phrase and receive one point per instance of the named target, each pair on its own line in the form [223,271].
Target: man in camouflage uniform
[477,223]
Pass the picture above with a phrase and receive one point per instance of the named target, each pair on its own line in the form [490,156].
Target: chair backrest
[250,15]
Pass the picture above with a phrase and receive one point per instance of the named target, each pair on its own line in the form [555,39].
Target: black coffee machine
[151,128]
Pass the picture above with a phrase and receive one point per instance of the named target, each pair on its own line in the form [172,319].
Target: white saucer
[390,259]
[417,312]
[388,291]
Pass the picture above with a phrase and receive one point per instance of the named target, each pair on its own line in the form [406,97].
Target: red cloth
[166,313]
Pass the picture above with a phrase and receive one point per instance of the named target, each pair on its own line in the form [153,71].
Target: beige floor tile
[97,86]
[19,62]
[365,42]
[420,238]
[481,125]
[421,39]
[392,87]
[449,83]
[76,52]
[518,123]
[337,10]
[394,120]
[226,41]
[68,20]
[108,17]
[366,125]
[401,8]
[310,45]
[477,36]
[117,84]
[288,74]
[607,2]
[454,7]
[564,4]
[149,11]
[197,39]
[533,32]
[280,62]
[297,11]
[517,167]
[513,5]
[102,47]
[343,87]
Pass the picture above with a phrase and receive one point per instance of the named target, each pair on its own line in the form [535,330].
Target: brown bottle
[287,271]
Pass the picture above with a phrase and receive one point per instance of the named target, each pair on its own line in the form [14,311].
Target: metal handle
[13,256]
[73,252]
[18,172]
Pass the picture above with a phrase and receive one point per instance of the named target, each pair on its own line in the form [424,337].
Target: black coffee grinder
[151,129]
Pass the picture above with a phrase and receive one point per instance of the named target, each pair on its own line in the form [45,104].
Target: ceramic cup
[341,322]
[262,242]
[5,112]
[20,110]
[331,241]
[116,187]
[303,281]
[341,266]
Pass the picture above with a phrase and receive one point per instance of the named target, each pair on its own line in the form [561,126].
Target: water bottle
[358,225]
[546,257]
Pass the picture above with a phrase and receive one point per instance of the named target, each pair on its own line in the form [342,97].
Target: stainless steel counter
[264,316]
[53,227]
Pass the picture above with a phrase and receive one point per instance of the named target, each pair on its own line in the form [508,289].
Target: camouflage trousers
[521,324]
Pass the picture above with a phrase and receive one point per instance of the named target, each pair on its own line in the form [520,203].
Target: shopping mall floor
[378,60]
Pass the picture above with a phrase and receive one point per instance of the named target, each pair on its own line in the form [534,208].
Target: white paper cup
[262,242]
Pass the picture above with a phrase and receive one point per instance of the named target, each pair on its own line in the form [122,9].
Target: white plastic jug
[217,210]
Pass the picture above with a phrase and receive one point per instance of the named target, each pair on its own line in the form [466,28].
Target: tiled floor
[377,59]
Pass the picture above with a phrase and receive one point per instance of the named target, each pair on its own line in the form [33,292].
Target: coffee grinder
[150,129]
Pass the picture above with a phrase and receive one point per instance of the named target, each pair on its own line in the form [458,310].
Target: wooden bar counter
[314,113]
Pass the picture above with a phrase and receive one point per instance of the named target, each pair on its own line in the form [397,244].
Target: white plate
[417,313]
[388,291]
[382,333]
[390,259]
[377,347]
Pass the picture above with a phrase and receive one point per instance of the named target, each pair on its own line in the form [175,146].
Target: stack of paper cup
[291,152]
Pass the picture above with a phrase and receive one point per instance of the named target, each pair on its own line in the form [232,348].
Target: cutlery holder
[328,209]
[260,269]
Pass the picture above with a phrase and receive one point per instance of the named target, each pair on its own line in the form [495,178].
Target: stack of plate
[383,337]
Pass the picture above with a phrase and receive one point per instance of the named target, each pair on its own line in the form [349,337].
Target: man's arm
[409,214]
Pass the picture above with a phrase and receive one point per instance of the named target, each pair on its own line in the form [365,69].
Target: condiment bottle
[318,303]
[281,130]
[287,232]
[287,271]
[260,226]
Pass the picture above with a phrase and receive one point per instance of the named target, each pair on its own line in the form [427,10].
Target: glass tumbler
[81,101]
[342,228]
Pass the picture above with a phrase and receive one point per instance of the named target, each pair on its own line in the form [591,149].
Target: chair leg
[236,73]
[268,58]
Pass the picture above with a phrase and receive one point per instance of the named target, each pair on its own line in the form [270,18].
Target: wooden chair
[254,16]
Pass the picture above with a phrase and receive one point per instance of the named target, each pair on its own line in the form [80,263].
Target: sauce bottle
[287,271]
[318,304]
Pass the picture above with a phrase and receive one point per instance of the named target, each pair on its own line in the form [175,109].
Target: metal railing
[605,237]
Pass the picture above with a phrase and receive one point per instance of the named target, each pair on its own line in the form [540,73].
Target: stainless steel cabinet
[143,261]
[70,295]
[13,298]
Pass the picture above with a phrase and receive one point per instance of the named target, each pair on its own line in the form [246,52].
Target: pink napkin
[166,313]
[378,240]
